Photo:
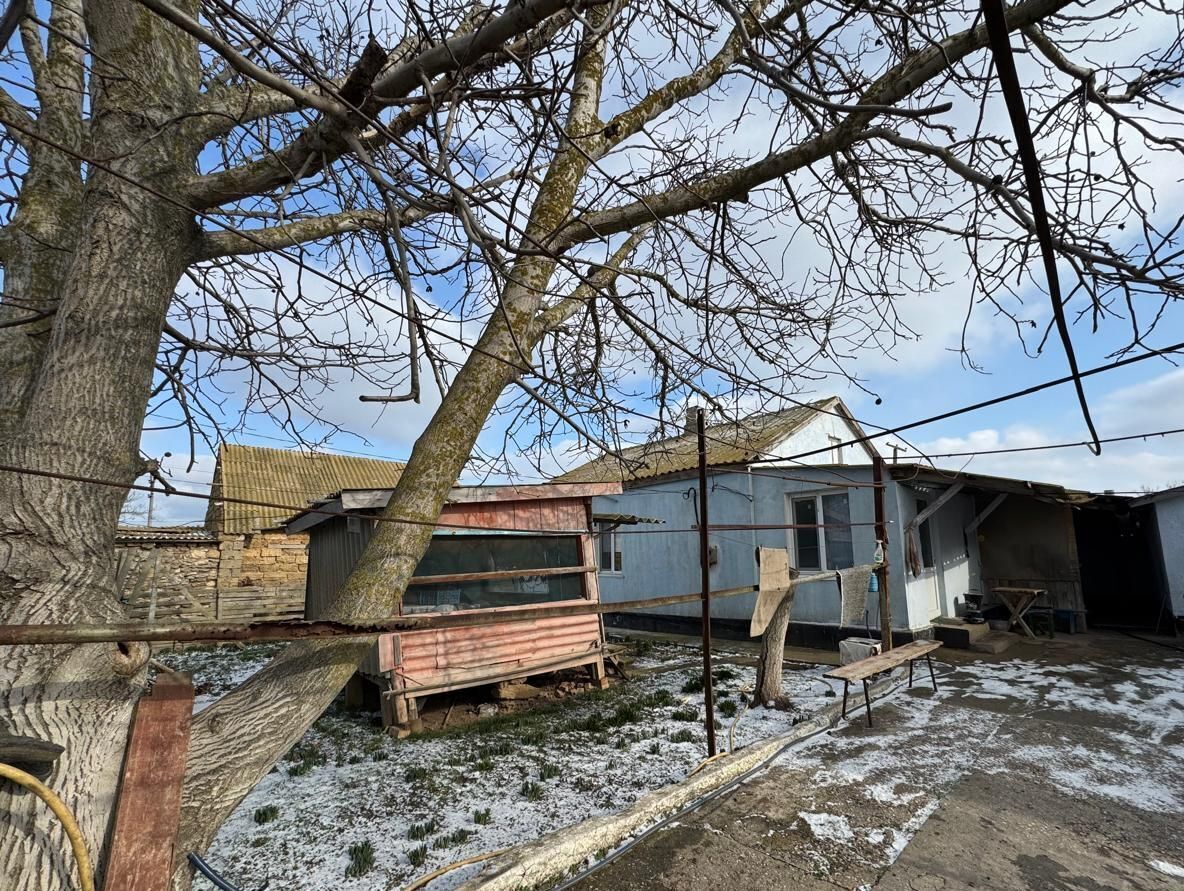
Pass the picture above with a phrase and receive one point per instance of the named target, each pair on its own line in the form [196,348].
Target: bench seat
[873,665]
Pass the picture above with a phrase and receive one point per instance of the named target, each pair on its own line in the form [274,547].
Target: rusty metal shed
[548,559]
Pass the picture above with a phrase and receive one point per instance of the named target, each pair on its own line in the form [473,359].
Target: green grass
[548,771]
[267,813]
[694,684]
[684,735]
[418,856]
[687,713]
[483,818]
[485,765]
[724,673]
[453,839]
[361,859]
[415,774]
[306,757]
[655,748]
[532,791]
[420,831]
[727,708]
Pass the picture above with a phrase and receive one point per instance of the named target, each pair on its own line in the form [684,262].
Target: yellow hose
[86,879]
[435,874]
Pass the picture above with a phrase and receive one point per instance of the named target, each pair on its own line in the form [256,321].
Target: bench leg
[867,700]
[846,684]
[911,661]
[932,676]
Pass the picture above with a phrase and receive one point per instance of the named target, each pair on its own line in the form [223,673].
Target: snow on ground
[436,798]
[902,769]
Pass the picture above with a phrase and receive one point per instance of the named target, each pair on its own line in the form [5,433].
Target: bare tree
[234,207]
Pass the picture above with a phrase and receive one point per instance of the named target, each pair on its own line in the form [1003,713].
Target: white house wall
[816,434]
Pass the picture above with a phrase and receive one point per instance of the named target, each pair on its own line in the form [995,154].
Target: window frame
[816,495]
[602,529]
[836,449]
[925,536]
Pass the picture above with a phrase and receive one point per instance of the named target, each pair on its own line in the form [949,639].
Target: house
[1163,514]
[975,532]
[505,549]
[241,564]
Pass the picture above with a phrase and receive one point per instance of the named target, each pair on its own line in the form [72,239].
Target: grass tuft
[727,708]
[532,791]
[361,859]
[687,713]
[420,831]
[267,813]
[418,856]
[684,735]
[694,684]
[483,818]
[453,839]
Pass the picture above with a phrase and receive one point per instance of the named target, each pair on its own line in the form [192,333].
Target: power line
[986,403]
[1058,445]
[321,511]
[1009,82]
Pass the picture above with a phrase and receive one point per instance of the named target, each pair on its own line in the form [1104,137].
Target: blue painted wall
[657,564]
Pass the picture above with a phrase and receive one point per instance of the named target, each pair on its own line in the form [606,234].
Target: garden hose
[86,879]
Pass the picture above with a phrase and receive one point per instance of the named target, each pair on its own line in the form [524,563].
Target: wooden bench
[864,669]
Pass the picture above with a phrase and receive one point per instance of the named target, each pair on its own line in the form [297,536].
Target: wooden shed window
[451,555]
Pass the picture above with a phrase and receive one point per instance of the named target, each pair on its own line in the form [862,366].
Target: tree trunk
[772,656]
[74,403]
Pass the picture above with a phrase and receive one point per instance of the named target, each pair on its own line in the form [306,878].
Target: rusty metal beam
[14,635]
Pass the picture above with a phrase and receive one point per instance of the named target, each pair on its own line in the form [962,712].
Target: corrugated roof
[289,477]
[174,534]
[733,442]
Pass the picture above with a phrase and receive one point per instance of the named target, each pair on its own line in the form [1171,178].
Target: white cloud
[1149,406]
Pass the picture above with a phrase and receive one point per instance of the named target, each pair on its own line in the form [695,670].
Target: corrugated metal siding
[436,655]
[333,550]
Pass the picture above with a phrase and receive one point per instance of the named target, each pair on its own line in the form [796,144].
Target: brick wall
[272,560]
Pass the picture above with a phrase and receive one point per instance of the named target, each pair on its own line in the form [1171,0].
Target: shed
[520,547]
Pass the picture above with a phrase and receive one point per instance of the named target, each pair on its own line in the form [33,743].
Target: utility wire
[1009,82]
[1057,445]
[987,403]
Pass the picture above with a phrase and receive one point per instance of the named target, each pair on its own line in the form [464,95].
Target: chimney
[690,424]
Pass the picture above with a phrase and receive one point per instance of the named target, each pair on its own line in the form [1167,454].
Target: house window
[924,534]
[608,548]
[836,449]
[829,547]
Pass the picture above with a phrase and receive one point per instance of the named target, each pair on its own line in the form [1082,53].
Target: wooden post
[882,569]
[705,573]
[148,809]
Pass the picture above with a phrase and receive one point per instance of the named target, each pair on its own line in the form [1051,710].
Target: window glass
[608,548]
[457,554]
[836,509]
[806,543]
[923,533]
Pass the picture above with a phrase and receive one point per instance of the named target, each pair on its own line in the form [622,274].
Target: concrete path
[1056,766]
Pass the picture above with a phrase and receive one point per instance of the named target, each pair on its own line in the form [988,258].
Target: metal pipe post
[705,570]
[882,569]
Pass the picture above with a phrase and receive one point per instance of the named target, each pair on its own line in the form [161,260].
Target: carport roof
[927,475]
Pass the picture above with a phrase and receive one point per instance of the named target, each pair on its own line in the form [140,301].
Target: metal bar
[846,687]
[867,701]
[301,629]
[705,575]
[498,574]
[911,661]
[932,676]
[882,569]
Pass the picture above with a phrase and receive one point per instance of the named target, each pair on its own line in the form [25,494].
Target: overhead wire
[1013,94]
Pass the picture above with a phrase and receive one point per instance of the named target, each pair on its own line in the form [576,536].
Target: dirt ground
[1058,765]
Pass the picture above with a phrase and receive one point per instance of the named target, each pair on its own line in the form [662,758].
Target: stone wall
[193,575]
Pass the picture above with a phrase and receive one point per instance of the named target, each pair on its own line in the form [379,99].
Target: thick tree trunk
[74,402]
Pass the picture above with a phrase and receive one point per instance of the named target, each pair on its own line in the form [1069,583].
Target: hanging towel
[776,583]
[853,584]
